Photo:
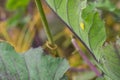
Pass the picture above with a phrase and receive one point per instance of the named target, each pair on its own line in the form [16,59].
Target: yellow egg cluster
[82,25]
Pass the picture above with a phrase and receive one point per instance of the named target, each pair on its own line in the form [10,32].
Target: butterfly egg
[82,25]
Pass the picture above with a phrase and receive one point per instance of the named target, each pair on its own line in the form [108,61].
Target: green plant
[83,18]
[34,64]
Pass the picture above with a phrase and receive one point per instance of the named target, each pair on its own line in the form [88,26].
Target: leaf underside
[33,65]
[92,32]
[75,12]
[110,61]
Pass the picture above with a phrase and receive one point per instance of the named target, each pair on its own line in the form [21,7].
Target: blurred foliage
[20,28]
[19,8]
[22,38]
[13,5]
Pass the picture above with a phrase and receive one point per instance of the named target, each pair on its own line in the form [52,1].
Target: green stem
[44,21]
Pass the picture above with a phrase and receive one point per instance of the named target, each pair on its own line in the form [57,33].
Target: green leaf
[94,33]
[109,6]
[33,65]
[19,8]
[110,61]
[83,19]
[15,4]
[14,20]
[106,5]
[18,20]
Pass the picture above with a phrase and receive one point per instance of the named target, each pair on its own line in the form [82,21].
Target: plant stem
[85,58]
[44,21]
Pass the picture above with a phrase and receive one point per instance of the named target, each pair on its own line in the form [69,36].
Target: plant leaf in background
[106,5]
[109,6]
[110,60]
[19,8]
[18,19]
[20,25]
[13,5]
[33,65]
